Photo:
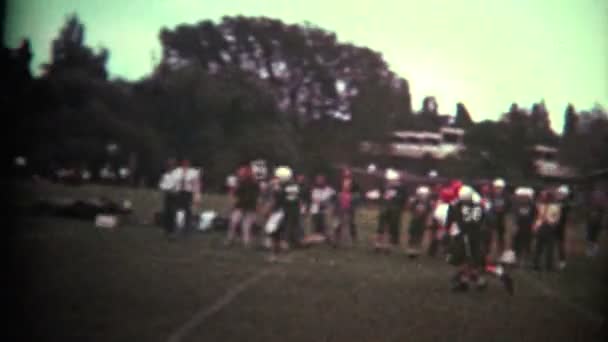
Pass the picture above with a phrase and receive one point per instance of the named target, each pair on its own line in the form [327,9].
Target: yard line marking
[222,302]
[544,289]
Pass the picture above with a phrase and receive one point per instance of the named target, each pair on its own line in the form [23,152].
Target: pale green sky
[485,53]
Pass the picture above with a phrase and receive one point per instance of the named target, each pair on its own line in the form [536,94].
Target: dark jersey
[247,194]
[467,215]
[393,197]
[420,208]
[500,204]
[289,197]
[525,212]
[305,194]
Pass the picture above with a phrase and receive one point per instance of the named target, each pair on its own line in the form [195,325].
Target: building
[449,141]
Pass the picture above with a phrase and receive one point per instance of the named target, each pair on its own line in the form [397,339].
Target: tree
[540,117]
[428,116]
[570,122]
[591,134]
[310,74]
[217,119]
[69,52]
[463,118]
[539,129]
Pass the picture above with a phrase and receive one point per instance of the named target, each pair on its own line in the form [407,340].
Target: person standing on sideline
[499,207]
[393,202]
[348,197]
[188,186]
[596,210]
[304,206]
[524,211]
[244,211]
[563,196]
[168,187]
[321,196]
[264,208]
[420,209]
[545,225]
[440,237]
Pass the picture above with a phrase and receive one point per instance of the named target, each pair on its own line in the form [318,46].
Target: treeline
[247,88]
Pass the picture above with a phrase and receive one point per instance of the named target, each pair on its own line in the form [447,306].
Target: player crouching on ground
[465,219]
[420,208]
[525,213]
[389,221]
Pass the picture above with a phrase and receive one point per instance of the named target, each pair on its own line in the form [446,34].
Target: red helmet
[447,194]
[456,185]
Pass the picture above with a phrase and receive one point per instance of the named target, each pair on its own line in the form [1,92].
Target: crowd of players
[462,221]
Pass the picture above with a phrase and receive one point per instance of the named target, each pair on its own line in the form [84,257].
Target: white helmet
[499,183]
[466,193]
[391,175]
[524,192]
[283,173]
[476,198]
[423,191]
[508,257]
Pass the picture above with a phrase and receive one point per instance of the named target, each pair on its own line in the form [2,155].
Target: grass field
[79,283]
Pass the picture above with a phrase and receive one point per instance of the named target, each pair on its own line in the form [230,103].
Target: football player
[499,206]
[286,211]
[392,204]
[563,196]
[321,196]
[465,219]
[524,212]
[420,209]
[245,206]
[439,221]
[347,199]
[545,226]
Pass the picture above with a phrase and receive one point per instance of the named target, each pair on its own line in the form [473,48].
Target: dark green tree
[69,52]
[570,122]
[463,118]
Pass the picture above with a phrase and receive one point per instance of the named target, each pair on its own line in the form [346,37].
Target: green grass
[146,202]
[80,283]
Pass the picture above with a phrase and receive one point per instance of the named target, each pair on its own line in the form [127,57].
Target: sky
[484,53]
